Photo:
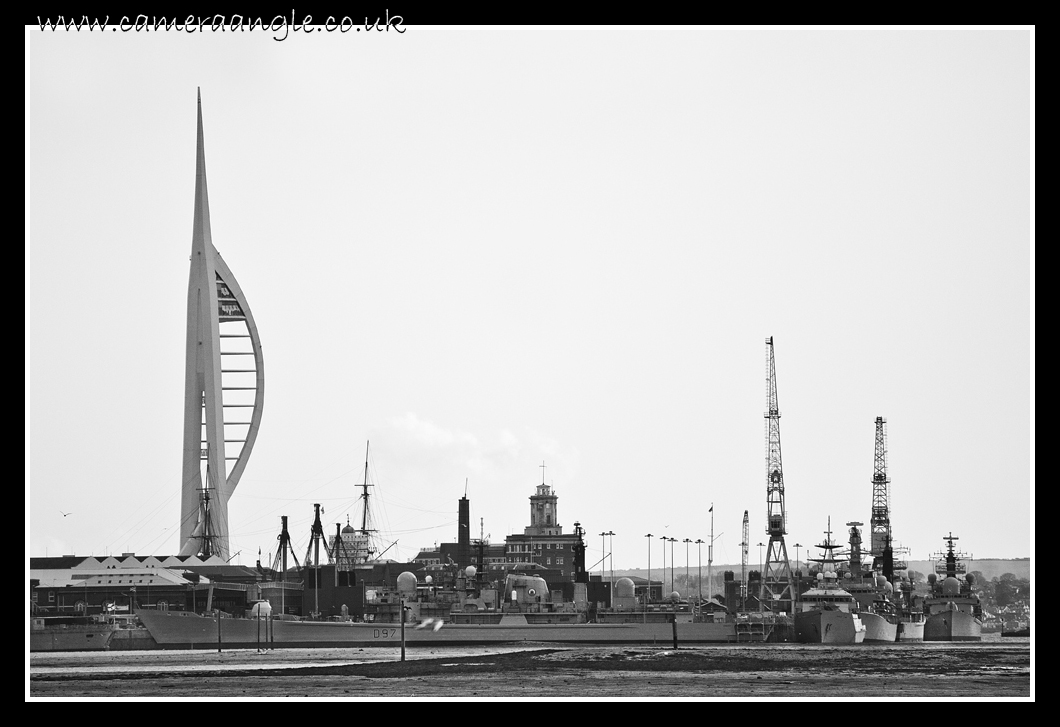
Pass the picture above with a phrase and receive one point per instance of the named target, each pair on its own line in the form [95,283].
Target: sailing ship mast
[365,531]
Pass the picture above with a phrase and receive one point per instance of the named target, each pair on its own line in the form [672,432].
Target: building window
[548,561]
[559,561]
[51,596]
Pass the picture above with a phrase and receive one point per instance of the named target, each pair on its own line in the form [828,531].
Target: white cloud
[430,434]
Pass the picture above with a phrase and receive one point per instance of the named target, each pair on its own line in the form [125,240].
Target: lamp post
[699,546]
[603,554]
[611,559]
[710,553]
[672,541]
[647,593]
[686,542]
[761,567]
[797,546]
[663,539]
[798,573]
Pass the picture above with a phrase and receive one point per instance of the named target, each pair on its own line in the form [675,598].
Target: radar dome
[624,588]
[887,587]
[880,580]
[820,576]
[261,608]
[951,586]
[429,579]
[932,578]
[969,579]
[470,571]
[675,596]
[406,583]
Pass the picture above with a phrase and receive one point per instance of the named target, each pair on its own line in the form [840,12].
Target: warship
[873,593]
[99,632]
[474,612]
[826,613]
[952,611]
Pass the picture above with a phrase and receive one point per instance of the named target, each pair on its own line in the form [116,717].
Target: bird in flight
[66,513]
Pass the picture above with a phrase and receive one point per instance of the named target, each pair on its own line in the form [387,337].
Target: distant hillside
[990,567]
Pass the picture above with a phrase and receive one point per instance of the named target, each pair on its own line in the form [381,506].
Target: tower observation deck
[224,385]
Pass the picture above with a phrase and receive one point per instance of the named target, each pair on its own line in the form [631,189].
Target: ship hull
[188,631]
[95,638]
[101,637]
[910,631]
[878,630]
[952,625]
[828,627]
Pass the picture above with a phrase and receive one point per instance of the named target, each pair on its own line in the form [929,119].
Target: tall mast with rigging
[366,531]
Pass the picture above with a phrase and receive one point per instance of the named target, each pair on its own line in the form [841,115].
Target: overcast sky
[486,249]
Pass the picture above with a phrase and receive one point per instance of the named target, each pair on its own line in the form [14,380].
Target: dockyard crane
[880,524]
[881,542]
[777,579]
[743,561]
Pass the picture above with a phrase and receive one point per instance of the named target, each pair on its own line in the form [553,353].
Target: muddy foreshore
[957,671]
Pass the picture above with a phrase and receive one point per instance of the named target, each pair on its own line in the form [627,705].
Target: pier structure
[224,385]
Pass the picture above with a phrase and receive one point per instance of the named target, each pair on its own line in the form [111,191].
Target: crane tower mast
[880,523]
[881,540]
[777,590]
[743,562]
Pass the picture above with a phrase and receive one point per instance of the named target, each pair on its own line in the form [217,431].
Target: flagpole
[710,555]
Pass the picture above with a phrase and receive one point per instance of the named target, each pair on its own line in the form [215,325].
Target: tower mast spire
[777,582]
[223,364]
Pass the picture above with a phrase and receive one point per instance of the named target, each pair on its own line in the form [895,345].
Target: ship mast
[280,563]
[203,534]
[949,564]
[316,536]
[777,581]
[854,562]
[827,561]
[365,511]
